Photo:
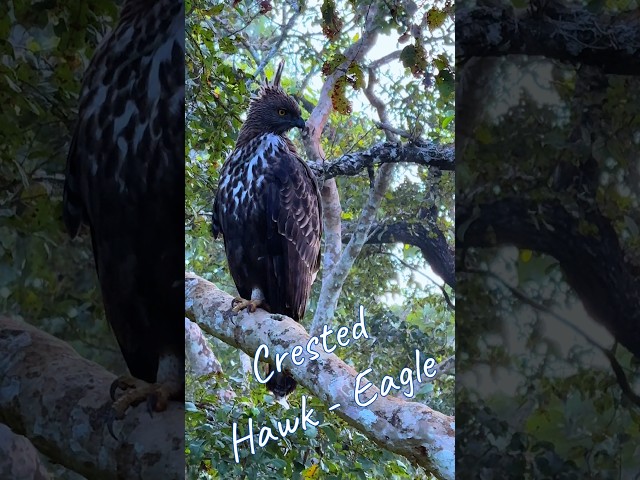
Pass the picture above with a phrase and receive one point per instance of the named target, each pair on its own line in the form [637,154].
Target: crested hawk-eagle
[125,181]
[268,209]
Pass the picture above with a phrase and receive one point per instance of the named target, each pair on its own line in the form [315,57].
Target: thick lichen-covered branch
[200,358]
[201,361]
[60,402]
[424,436]
[428,154]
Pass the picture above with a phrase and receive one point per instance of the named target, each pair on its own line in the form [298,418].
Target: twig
[397,131]
[384,60]
[276,46]
[414,269]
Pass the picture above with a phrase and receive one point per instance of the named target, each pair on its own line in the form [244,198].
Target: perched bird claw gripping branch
[268,209]
[124,180]
[240,304]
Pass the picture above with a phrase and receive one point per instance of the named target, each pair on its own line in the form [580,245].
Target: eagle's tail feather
[281,384]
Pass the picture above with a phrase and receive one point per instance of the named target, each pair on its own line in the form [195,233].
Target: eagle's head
[271,110]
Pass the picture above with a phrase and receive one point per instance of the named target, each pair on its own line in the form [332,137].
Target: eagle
[125,181]
[268,209]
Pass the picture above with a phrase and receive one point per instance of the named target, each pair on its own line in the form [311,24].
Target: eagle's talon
[237,300]
[124,383]
[111,417]
[135,391]
[240,304]
[112,390]
[152,400]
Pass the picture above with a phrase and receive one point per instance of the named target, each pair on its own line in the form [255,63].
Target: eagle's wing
[294,232]
[73,212]
[216,221]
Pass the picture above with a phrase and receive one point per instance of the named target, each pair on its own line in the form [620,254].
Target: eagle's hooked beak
[299,123]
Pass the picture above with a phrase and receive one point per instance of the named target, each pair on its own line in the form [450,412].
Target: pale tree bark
[201,361]
[60,402]
[200,357]
[425,436]
[19,459]
[333,280]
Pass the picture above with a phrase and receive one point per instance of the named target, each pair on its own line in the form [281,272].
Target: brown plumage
[268,209]
[125,181]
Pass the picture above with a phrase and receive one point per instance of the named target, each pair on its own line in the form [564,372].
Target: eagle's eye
[282,112]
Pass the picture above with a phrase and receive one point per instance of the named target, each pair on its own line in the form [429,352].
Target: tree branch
[566,33]
[430,240]
[201,362]
[320,114]
[333,280]
[580,238]
[429,154]
[60,402]
[414,269]
[377,103]
[395,130]
[424,436]
[200,357]
[384,60]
